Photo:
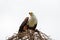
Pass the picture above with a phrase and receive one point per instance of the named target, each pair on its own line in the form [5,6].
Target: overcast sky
[13,12]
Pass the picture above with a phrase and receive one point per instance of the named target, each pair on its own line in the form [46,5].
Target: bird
[29,23]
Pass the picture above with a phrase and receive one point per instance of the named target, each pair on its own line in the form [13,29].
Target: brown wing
[23,24]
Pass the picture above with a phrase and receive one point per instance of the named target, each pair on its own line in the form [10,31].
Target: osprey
[28,23]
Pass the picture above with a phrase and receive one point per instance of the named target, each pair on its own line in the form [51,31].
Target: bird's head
[31,13]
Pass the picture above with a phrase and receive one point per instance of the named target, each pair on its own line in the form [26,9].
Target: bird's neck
[32,17]
[32,21]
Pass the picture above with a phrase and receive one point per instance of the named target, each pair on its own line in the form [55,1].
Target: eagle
[28,23]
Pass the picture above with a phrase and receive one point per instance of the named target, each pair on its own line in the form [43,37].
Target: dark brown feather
[23,24]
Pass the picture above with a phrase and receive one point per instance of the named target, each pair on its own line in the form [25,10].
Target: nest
[29,35]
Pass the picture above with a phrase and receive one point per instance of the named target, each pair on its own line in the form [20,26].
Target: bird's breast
[32,22]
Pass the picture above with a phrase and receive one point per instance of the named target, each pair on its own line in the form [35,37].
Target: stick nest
[29,35]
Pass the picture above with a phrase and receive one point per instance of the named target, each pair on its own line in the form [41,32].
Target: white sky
[13,12]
